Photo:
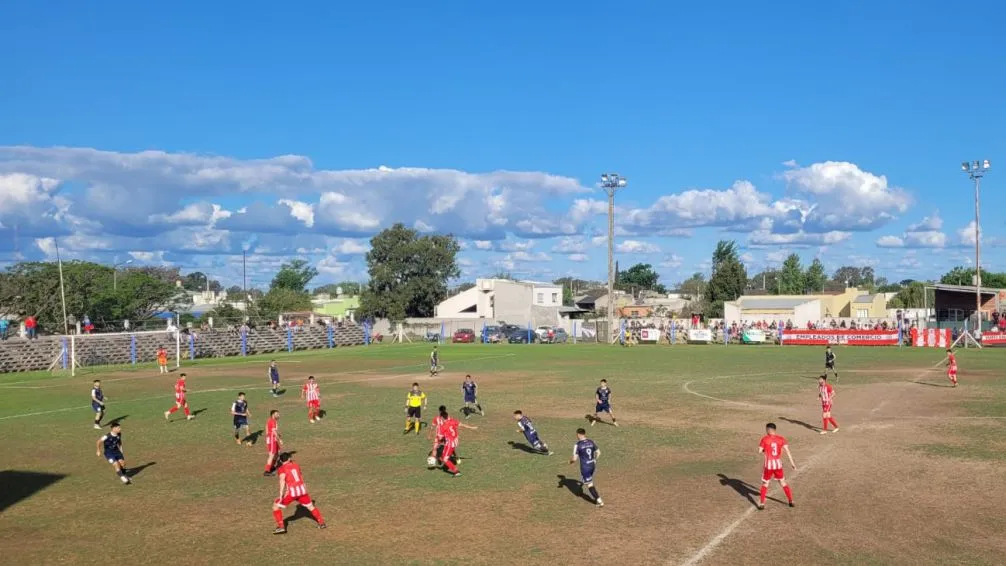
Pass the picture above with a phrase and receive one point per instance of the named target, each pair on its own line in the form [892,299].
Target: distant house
[801,309]
[337,307]
[503,299]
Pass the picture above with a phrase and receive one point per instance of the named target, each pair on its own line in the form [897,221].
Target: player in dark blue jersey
[586,452]
[525,425]
[274,378]
[469,387]
[97,403]
[110,446]
[239,410]
[434,362]
[602,404]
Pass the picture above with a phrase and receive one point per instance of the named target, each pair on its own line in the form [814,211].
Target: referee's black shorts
[415,412]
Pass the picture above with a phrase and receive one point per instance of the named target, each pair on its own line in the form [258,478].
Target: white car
[542,332]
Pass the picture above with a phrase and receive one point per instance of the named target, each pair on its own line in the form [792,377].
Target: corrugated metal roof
[772,303]
[864,299]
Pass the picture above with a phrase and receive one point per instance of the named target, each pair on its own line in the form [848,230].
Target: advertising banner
[994,338]
[753,336]
[649,335]
[843,337]
[931,338]
[700,336]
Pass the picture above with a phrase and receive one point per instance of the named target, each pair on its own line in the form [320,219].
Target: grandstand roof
[772,302]
[864,299]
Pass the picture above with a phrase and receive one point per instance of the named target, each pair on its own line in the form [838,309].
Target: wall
[452,306]
[22,355]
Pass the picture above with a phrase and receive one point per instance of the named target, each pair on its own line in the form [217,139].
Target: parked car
[464,336]
[560,336]
[493,335]
[543,333]
[520,336]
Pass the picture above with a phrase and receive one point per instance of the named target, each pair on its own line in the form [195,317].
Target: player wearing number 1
[292,489]
[772,446]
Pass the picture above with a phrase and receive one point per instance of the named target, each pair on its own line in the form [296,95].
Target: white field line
[17,384]
[248,387]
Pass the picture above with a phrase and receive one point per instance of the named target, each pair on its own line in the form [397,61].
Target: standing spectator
[29,327]
[3,328]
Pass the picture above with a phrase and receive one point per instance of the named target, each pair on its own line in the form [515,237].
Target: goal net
[88,353]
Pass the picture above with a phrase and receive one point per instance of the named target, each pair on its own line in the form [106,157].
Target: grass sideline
[679,472]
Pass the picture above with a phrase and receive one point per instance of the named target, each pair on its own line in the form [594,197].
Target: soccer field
[914,476]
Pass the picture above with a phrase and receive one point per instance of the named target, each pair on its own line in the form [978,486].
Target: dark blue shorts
[587,473]
[469,398]
[533,439]
[97,408]
[602,407]
[240,422]
[275,381]
[113,457]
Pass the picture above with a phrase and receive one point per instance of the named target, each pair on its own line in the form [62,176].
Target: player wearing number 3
[772,446]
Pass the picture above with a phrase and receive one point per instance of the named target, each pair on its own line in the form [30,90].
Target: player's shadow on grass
[927,384]
[593,419]
[19,485]
[574,486]
[253,437]
[198,412]
[522,447]
[322,413]
[301,513]
[280,392]
[133,472]
[111,422]
[807,426]
[744,489]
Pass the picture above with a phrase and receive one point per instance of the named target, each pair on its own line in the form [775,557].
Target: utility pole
[975,171]
[611,182]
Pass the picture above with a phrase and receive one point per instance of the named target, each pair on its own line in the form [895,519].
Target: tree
[693,286]
[33,288]
[815,278]
[965,276]
[849,276]
[408,273]
[198,281]
[349,288]
[891,287]
[281,300]
[640,277]
[224,314]
[294,276]
[767,280]
[235,292]
[912,296]
[567,296]
[791,276]
[728,280]
[169,275]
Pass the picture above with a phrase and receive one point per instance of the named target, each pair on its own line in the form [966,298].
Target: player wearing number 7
[772,446]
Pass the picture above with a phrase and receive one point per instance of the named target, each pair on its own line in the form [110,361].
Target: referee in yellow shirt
[414,405]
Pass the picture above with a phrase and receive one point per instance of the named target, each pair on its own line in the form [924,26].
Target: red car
[464,336]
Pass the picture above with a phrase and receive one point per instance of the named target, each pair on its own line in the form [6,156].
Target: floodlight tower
[975,171]
[611,183]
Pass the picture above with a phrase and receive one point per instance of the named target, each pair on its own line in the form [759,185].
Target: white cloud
[740,203]
[967,235]
[578,257]
[483,245]
[890,242]
[800,238]
[516,246]
[349,247]
[523,256]
[636,247]
[598,241]
[672,261]
[846,197]
[570,245]
[300,210]
[928,224]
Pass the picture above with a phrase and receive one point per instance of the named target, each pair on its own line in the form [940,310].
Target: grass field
[914,476]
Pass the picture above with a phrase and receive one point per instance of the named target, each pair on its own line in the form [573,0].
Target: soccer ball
[431,462]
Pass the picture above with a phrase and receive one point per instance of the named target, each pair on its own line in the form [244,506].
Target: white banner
[700,335]
[753,336]
[649,335]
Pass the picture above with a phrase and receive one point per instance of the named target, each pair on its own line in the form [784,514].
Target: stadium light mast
[611,183]
[115,273]
[975,171]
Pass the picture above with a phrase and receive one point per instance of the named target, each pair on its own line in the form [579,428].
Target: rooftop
[772,303]
[864,299]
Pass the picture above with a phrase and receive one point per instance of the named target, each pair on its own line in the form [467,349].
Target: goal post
[91,352]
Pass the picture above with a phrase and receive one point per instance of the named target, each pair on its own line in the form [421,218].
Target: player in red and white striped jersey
[292,489]
[951,366]
[826,393]
[272,442]
[772,446]
[311,392]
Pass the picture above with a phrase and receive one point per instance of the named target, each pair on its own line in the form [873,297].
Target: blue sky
[189,134]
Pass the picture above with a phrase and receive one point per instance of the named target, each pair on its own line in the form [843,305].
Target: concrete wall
[111,349]
[452,306]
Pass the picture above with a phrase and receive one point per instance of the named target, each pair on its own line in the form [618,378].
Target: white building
[516,302]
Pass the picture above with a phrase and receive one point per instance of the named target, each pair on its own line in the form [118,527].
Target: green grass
[658,473]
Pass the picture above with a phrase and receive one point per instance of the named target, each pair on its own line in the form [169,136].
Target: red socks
[317,515]
[268,467]
[186,410]
[825,423]
[310,413]
[450,465]
[833,423]
[764,493]
[788,492]
[173,410]
[278,516]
